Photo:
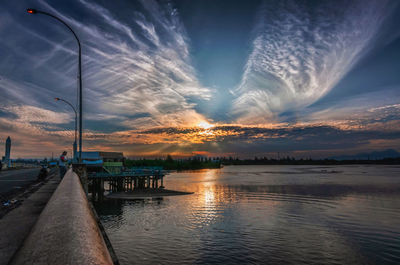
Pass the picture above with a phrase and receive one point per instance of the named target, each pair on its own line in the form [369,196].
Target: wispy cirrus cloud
[359,111]
[300,52]
[137,72]
[139,66]
[141,86]
[154,76]
[32,114]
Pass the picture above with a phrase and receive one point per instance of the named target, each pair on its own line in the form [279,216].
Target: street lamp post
[76,122]
[34,11]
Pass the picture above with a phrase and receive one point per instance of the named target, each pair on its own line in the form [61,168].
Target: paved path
[16,225]
[15,179]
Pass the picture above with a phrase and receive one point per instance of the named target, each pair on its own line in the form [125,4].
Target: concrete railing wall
[66,231]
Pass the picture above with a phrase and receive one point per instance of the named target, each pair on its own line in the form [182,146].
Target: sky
[206,77]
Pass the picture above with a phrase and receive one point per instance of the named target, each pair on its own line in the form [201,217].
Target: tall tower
[8,151]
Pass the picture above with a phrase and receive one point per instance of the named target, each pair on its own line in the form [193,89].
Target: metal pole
[76,127]
[80,104]
[76,122]
[34,11]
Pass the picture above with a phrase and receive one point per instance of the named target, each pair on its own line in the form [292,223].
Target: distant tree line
[215,162]
[292,161]
[175,164]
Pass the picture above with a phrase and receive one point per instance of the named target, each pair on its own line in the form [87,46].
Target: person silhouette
[62,164]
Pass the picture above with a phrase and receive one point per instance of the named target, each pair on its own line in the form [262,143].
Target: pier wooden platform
[125,180]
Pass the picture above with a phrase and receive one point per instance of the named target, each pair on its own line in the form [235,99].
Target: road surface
[15,179]
[16,224]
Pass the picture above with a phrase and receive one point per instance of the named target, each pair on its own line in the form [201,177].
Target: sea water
[263,215]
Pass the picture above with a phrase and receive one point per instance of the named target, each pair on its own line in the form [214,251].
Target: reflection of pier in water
[126,181]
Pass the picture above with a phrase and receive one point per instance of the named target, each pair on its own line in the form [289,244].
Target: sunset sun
[205,125]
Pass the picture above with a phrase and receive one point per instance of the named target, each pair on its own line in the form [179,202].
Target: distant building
[7,157]
[109,161]
[92,158]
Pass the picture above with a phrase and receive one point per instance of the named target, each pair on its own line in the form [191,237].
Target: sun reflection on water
[209,196]
[235,214]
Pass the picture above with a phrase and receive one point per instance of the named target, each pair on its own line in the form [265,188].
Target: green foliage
[293,161]
[170,164]
[198,163]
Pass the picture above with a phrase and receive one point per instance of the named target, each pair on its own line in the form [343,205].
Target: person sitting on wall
[62,164]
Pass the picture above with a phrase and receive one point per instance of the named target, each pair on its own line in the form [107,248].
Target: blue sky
[243,78]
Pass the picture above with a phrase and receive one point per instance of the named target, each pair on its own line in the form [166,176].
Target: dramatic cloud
[301,51]
[129,70]
[144,91]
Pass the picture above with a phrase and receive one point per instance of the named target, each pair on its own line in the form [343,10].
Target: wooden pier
[126,180]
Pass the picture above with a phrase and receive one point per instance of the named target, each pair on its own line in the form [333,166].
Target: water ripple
[341,222]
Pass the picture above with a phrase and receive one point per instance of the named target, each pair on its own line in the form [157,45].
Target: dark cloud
[240,139]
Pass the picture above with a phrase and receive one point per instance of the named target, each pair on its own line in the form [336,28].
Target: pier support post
[101,190]
[119,185]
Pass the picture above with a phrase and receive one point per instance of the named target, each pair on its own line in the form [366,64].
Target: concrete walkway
[66,231]
[16,225]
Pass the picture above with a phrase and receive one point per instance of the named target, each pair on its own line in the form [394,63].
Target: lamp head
[57,99]
[31,11]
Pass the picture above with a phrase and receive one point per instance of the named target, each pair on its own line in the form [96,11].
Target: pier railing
[66,231]
[131,172]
